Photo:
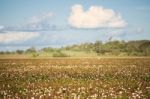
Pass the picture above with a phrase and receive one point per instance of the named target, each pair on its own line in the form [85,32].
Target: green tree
[31,50]
[19,51]
[98,47]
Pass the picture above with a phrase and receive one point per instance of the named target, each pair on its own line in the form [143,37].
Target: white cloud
[139,30]
[95,17]
[39,22]
[10,37]
[1,27]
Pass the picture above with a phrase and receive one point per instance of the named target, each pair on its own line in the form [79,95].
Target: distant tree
[35,55]
[2,52]
[59,54]
[98,47]
[31,50]
[48,49]
[130,48]
[19,51]
[145,48]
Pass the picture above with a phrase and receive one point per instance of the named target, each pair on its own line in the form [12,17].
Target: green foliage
[110,48]
[31,50]
[59,54]
[98,46]
[19,51]
[35,55]
[2,52]
[48,49]
[138,48]
[115,48]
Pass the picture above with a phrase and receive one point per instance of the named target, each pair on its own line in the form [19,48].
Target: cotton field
[70,78]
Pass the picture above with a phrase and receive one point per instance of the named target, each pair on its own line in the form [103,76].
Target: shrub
[59,54]
[35,54]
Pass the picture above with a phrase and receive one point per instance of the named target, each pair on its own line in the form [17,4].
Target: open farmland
[75,78]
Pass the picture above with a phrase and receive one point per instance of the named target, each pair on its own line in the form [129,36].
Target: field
[75,78]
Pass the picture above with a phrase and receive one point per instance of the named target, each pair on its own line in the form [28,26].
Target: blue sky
[40,23]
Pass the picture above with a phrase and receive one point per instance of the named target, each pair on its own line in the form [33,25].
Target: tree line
[130,48]
[116,48]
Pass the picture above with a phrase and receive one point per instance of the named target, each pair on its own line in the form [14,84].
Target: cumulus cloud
[95,17]
[10,37]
